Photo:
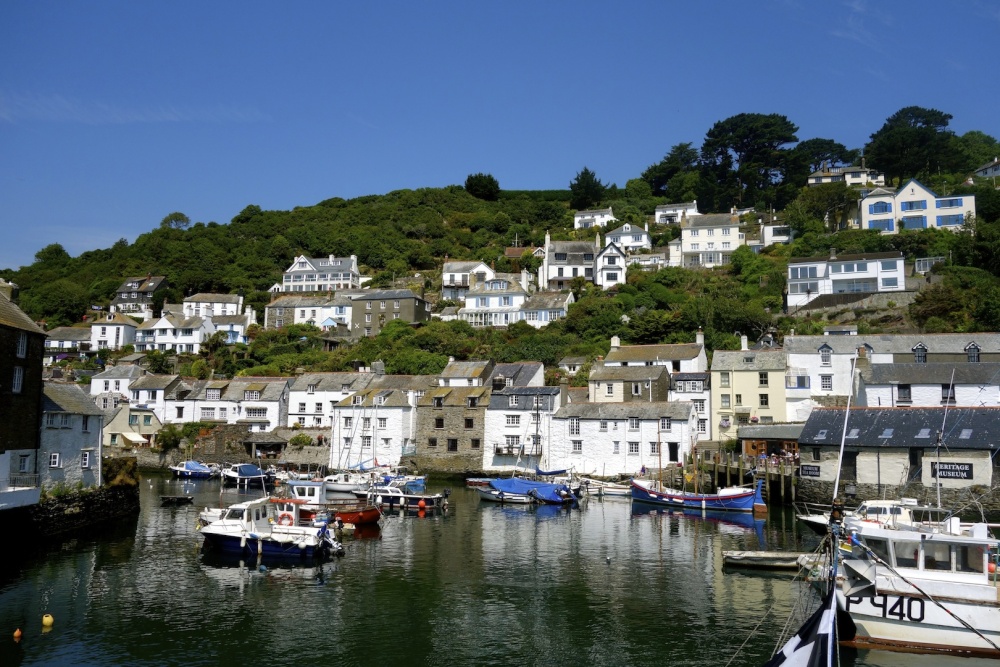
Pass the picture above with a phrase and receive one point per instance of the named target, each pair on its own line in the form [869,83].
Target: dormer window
[357,399]
[826,357]
[973,353]
[251,396]
[920,354]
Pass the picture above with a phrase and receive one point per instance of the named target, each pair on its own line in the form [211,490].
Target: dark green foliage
[914,142]
[483,186]
[587,190]
[817,152]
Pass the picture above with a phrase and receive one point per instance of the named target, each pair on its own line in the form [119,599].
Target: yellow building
[748,387]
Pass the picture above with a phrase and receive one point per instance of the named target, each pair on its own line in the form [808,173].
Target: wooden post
[782,477]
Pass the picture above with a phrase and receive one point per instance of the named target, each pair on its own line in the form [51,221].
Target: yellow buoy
[47,621]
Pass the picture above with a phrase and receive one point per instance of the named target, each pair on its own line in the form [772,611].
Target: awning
[134,438]
[743,410]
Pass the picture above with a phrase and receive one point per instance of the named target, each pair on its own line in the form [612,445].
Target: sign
[808,471]
[951,470]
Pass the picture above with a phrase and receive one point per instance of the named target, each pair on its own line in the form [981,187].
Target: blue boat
[731,499]
[270,527]
[194,470]
[247,474]
[543,492]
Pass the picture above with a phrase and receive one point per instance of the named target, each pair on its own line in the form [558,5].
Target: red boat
[360,515]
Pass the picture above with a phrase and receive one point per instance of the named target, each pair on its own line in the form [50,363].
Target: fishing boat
[246,474]
[394,495]
[194,470]
[923,588]
[729,499]
[269,527]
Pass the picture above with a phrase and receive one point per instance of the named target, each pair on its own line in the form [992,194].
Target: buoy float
[47,621]
[421,504]
[992,567]
[17,634]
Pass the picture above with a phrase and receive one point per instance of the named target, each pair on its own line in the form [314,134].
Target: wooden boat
[731,499]
[601,488]
[269,527]
[765,560]
[922,588]
[194,470]
[478,481]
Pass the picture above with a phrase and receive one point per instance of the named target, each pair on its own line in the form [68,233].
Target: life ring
[286,519]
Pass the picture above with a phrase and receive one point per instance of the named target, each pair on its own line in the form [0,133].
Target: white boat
[395,495]
[349,481]
[600,488]
[269,527]
[904,511]
[923,587]
[489,494]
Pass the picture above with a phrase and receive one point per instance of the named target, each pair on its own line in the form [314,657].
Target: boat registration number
[901,608]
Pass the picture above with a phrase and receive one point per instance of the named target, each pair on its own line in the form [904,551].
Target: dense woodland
[402,238]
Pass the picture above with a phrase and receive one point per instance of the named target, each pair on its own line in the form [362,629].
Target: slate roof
[567,361]
[406,382]
[232,390]
[461,267]
[153,382]
[893,343]
[465,369]
[13,317]
[332,381]
[295,301]
[391,398]
[226,320]
[520,372]
[632,229]
[770,432]
[935,373]
[146,284]
[679,410]
[387,294]
[70,333]
[627,373]
[213,298]
[595,211]
[964,427]
[679,351]
[115,319]
[712,220]
[71,398]
[454,396]
[575,250]
[759,360]
[120,373]
[547,301]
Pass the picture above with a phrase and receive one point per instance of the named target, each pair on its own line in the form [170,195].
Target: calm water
[479,585]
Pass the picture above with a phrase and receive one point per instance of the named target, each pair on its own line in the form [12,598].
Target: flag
[812,645]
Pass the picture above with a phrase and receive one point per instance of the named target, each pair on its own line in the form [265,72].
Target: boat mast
[937,476]
[843,435]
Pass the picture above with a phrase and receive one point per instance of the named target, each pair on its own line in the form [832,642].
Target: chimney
[563,391]
[743,344]
[699,337]
[863,362]
[615,342]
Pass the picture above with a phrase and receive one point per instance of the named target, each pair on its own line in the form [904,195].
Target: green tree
[818,152]
[169,437]
[745,156]
[682,159]
[586,190]
[175,220]
[483,186]
[913,143]
[830,203]
[53,253]
[977,148]
[61,302]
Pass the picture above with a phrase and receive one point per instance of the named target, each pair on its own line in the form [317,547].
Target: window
[472,402]
[913,205]
[609,390]
[796,381]
[763,400]
[438,402]
[724,379]
[317,407]
[470,422]
[702,426]
[577,446]
[133,420]
[633,423]
[890,283]
[826,382]
[613,275]
[654,448]
[574,426]
[725,402]
[382,422]
[432,442]
[739,399]
[920,355]
[512,401]
[880,207]
[22,344]
[699,405]
[636,388]
[357,399]
[147,420]
[604,425]
[256,413]
[762,379]
[948,394]
[513,420]
[452,444]
[633,447]
[798,272]
[302,407]
[213,394]
[439,422]
[512,440]
[251,396]
[18,380]
[54,460]
[366,441]
[206,413]
[348,422]
[86,423]
[474,443]
[973,353]
[665,424]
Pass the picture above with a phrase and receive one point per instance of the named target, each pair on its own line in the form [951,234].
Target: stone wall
[970,501]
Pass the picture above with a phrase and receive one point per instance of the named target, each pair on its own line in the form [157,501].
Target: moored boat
[393,495]
[730,499]
[269,527]
[247,474]
[194,470]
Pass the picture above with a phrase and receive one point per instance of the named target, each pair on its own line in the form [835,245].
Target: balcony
[19,491]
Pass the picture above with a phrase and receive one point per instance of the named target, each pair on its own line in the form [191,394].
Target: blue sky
[115,114]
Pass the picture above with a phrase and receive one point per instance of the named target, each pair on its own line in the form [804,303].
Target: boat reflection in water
[738,522]
[228,571]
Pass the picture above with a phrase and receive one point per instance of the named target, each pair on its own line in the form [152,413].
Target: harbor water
[611,583]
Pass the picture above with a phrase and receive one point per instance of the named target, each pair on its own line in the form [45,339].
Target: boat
[517,490]
[477,481]
[394,495]
[269,527]
[246,474]
[315,504]
[729,499]
[194,470]
[922,588]
[601,488]
[349,481]
[767,560]
[176,500]
[493,495]
[906,511]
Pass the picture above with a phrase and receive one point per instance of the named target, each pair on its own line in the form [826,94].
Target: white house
[989,170]
[610,266]
[810,277]
[137,296]
[112,332]
[70,444]
[372,427]
[173,334]
[543,307]
[630,238]
[653,261]
[259,404]
[151,394]
[312,397]
[111,387]
[595,218]
[708,241]
[677,357]
[66,343]
[457,277]
[325,312]
[496,301]
[928,385]
[518,427]
[210,305]
[621,438]
[566,260]
[321,274]
[852,176]
[914,206]
[671,214]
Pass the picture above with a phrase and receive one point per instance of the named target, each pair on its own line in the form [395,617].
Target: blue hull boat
[733,499]
[194,470]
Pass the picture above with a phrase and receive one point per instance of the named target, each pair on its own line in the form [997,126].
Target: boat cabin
[957,551]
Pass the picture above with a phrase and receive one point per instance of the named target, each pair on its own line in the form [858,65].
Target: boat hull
[749,501]
[247,546]
[914,624]
[491,495]
[359,517]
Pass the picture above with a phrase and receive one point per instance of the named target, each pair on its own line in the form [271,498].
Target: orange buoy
[421,504]
[17,635]
[992,567]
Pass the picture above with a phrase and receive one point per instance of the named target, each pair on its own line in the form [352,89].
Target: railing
[19,482]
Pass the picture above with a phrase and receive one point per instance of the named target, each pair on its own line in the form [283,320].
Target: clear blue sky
[115,114]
